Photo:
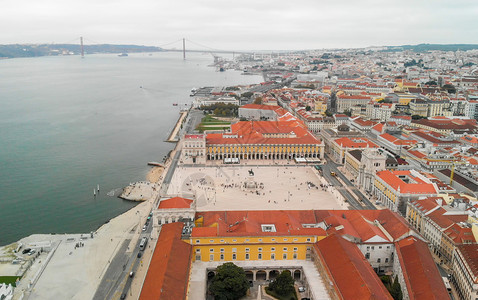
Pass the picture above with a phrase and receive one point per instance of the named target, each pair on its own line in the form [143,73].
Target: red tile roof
[355,143]
[260,106]
[351,273]
[423,281]
[441,220]
[417,187]
[168,272]
[248,223]
[176,202]
[470,254]
[252,132]
[460,235]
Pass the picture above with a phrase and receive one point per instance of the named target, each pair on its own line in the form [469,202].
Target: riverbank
[154,175]
[173,136]
[88,255]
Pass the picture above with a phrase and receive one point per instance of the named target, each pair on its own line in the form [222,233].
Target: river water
[68,124]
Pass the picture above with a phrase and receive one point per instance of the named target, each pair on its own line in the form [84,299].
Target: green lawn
[202,128]
[9,279]
[291,296]
[210,120]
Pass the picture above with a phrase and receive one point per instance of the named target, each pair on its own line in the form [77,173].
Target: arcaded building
[251,140]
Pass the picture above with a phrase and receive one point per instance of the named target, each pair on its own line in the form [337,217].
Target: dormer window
[268,228]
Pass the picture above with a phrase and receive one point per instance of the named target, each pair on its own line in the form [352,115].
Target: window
[247,240]
[379,260]
[234,241]
[295,256]
[284,256]
[373,247]
[285,240]
[247,255]
[211,257]
[268,228]
[379,247]
[222,250]
[295,248]
[295,240]
[308,239]
[259,249]
[211,250]
[198,250]
[211,241]
[222,256]
[273,240]
[388,247]
[273,256]
[259,256]
[234,256]
[247,249]
[234,249]
[273,249]
[222,241]
[260,240]
[386,260]
[285,249]
[367,255]
[197,241]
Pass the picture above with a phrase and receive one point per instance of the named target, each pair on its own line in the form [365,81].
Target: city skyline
[241,25]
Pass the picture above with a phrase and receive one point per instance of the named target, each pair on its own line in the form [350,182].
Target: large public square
[242,187]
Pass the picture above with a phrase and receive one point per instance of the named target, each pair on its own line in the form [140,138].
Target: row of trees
[221,109]
[230,283]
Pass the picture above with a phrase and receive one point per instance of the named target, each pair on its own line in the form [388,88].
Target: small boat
[94,192]
[98,187]
[123,54]
[175,104]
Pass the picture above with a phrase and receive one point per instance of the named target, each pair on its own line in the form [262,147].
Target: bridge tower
[81,45]
[184,48]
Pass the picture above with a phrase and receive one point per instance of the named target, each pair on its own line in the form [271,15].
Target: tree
[230,282]
[450,88]
[283,285]
[328,113]
[348,112]
[258,100]
[308,108]
[396,290]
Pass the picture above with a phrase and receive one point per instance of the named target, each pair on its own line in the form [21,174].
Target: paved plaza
[254,188]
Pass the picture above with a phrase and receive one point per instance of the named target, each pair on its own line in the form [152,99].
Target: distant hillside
[23,50]
[430,47]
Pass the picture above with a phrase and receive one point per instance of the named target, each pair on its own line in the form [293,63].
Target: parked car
[301,289]
[140,254]
[131,274]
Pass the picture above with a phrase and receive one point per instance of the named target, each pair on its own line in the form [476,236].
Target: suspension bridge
[181,43]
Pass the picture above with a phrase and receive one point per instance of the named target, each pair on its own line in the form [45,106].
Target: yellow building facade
[252,248]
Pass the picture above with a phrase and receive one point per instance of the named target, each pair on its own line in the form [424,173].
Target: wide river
[68,124]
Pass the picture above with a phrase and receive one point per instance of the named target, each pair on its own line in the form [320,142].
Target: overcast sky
[241,24]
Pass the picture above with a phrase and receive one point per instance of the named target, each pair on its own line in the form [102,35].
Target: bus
[143,243]
[447,283]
